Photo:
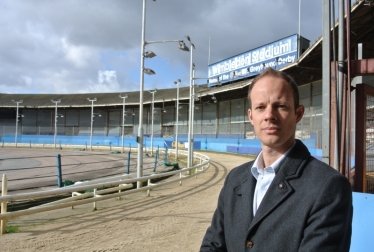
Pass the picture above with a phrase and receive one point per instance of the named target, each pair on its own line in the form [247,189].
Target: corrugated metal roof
[112,99]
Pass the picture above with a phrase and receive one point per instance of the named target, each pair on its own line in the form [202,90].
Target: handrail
[204,163]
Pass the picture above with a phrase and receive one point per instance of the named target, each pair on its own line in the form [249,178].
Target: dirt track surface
[173,218]
[35,169]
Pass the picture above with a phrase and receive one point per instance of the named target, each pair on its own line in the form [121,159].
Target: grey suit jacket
[308,207]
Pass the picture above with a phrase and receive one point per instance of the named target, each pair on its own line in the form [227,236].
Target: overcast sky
[87,46]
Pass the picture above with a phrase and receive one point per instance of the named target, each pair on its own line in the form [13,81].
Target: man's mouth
[271,129]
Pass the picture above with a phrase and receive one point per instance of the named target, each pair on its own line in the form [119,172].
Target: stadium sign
[253,62]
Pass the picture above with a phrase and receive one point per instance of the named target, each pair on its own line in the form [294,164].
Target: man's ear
[299,113]
[250,116]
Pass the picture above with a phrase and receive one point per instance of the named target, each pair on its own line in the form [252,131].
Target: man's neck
[270,155]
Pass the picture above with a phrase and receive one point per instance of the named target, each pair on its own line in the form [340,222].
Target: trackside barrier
[4,191]
[100,187]
[94,193]
[77,195]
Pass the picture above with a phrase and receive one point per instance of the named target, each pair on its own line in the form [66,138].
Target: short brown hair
[275,73]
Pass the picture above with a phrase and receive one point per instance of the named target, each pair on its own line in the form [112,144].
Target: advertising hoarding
[276,55]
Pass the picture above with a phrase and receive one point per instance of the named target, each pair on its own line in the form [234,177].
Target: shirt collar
[258,165]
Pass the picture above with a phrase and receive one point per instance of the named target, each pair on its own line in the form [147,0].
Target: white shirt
[264,177]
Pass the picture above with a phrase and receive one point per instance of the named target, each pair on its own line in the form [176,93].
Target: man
[285,200]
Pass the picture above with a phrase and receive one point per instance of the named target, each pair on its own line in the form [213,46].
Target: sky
[94,46]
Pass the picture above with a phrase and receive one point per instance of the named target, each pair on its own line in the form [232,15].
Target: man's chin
[270,138]
[272,141]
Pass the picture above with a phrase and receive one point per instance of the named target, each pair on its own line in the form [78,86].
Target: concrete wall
[233,145]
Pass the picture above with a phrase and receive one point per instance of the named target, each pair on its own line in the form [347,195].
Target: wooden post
[149,191]
[4,189]
[94,195]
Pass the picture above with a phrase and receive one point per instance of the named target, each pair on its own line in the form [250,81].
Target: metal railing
[110,188]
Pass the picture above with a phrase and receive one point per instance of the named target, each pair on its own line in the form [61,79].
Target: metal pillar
[55,135]
[139,168]
[190,124]
[92,119]
[153,114]
[326,61]
[17,116]
[177,120]
[123,120]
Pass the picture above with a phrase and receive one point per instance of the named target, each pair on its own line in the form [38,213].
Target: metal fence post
[110,146]
[166,155]
[60,146]
[156,157]
[59,176]
[128,162]
[30,143]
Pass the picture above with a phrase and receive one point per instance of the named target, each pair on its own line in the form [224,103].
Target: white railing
[113,185]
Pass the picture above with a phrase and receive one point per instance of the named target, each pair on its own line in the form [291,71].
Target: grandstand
[220,113]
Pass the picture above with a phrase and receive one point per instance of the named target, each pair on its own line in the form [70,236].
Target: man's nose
[269,113]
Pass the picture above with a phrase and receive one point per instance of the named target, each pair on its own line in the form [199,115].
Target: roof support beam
[362,67]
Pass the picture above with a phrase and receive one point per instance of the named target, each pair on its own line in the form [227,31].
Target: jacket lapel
[280,189]
[245,190]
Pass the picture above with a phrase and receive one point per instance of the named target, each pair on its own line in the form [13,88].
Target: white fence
[110,188]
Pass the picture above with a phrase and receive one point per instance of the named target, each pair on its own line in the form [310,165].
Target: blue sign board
[251,63]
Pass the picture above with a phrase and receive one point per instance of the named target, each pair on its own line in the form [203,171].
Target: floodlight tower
[123,119]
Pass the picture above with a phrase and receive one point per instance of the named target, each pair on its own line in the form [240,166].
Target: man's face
[273,114]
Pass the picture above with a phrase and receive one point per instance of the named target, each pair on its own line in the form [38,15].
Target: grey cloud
[31,48]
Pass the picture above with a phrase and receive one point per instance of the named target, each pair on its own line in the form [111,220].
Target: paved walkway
[173,218]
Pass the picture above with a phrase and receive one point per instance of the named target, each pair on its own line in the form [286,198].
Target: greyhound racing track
[36,168]
[172,218]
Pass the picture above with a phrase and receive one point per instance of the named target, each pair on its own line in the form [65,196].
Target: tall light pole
[143,70]
[123,119]
[139,139]
[92,118]
[55,135]
[190,124]
[17,116]
[153,113]
[177,119]
[193,103]
[298,35]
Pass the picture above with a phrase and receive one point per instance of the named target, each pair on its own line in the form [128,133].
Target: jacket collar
[290,165]
[296,158]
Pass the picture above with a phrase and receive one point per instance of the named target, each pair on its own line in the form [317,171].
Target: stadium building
[220,112]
